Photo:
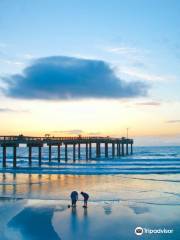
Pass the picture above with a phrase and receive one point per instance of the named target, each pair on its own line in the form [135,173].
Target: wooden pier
[120,147]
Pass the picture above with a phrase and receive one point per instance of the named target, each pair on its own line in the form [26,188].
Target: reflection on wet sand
[47,219]
[100,188]
[108,209]
[85,212]
[114,222]
[34,223]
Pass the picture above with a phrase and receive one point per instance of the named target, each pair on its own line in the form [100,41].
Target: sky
[91,68]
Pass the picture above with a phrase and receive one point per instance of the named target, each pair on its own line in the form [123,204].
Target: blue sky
[138,39]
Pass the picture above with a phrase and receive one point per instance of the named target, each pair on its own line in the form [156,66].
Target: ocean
[145,160]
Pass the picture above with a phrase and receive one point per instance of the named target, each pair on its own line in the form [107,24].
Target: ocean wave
[154,179]
[91,171]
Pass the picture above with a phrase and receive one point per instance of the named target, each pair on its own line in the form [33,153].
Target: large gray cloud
[60,77]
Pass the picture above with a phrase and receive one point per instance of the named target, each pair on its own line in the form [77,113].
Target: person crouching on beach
[86,197]
[74,198]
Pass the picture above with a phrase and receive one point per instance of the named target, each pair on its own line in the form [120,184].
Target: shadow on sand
[35,223]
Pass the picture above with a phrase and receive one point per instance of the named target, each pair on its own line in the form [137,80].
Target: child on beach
[86,197]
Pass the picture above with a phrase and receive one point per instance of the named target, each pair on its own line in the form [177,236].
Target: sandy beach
[36,206]
[39,219]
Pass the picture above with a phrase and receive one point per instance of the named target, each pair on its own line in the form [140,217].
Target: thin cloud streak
[73,131]
[173,121]
[12,62]
[129,53]
[76,132]
[10,110]
[148,103]
[137,74]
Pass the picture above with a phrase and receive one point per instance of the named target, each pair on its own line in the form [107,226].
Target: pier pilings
[119,147]
[59,152]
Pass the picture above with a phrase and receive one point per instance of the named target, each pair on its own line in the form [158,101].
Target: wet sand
[49,219]
[153,189]
[35,206]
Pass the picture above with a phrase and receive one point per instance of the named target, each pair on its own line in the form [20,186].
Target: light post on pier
[127,132]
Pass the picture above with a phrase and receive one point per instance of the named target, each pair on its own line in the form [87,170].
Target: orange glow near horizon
[92,117]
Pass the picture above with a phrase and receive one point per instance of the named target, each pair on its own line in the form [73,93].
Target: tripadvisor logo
[138,231]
